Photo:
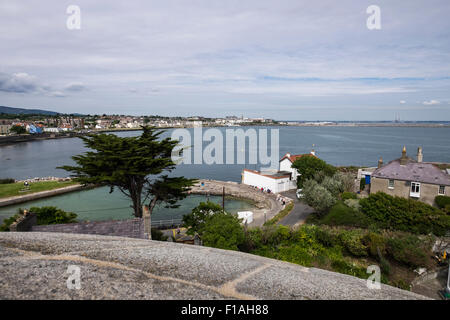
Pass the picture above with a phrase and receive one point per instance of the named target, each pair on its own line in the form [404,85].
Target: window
[441,189]
[415,189]
[391,184]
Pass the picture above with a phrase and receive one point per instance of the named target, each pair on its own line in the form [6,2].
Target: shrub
[362,184]
[195,221]
[341,214]
[353,204]
[7,181]
[8,221]
[442,201]
[325,237]
[333,185]
[348,195]
[408,250]
[376,244]
[352,242]
[405,214]
[53,215]
[223,231]
[317,196]
[158,235]
[347,181]
[345,267]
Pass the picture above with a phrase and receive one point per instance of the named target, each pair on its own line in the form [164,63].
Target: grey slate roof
[413,171]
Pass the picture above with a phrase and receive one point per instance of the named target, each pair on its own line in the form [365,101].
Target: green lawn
[17,189]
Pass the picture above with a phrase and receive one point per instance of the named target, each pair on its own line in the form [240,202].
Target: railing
[167,223]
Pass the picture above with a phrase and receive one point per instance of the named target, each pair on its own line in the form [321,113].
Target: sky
[279,59]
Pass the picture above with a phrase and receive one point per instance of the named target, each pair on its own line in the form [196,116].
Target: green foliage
[353,204]
[352,241]
[196,220]
[52,215]
[345,267]
[44,215]
[18,129]
[442,201]
[348,195]
[7,181]
[362,184]
[308,166]
[280,215]
[317,196]
[8,221]
[341,214]
[376,244]
[409,250]
[405,214]
[134,165]
[223,231]
[158,235]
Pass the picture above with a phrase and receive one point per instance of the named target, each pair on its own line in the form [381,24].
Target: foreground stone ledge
[33,265]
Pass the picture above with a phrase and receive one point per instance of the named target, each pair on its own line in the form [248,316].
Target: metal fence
[167,223]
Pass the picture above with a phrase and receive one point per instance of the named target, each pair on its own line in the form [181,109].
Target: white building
[276,181]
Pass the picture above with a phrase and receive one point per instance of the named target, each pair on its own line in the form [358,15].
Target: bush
[353,204]
[341,214]
[195,221]
[442,201]
[405,214]
[7,181]
[317,196]
[408,250]
[223,231]
[8,221]
[348,195]
[53,215]
[352,242]
[158,235]
[376,244]
[348,268]
[362,184]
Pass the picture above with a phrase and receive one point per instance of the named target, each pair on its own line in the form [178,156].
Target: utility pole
[223,199]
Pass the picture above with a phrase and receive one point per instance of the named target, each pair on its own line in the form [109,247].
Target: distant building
[5,129]
[276,181]
[411,178]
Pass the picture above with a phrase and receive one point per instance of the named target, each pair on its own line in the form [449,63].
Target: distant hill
[10,110]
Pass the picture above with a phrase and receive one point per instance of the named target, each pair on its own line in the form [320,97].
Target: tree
[18,129]
[223,231]
[317,196]
[196,220]
[309,166]
[134,165]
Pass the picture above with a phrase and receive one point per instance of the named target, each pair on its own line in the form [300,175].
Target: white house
[276,181]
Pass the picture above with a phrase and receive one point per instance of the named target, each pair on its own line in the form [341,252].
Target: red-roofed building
[276,181]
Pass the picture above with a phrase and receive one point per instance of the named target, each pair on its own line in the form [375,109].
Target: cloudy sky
[291,60]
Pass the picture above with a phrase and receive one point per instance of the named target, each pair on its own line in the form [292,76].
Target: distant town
[25,123]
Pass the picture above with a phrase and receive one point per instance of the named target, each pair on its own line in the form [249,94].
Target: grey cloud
[18,82]
[75,87]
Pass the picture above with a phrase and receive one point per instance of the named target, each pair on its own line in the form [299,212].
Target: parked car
[299,193]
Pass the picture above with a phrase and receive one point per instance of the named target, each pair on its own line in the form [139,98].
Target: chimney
[404,158]
[419,154]
[380,162]
[312,151]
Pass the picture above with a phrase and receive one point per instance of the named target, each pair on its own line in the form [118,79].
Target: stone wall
[131,228]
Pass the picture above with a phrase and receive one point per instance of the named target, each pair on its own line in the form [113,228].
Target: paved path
[38,195]
[34,265]
[298,214]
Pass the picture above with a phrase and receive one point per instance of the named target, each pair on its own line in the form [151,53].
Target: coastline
[14,139]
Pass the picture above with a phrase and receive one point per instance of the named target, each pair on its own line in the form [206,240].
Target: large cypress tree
[137,166]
